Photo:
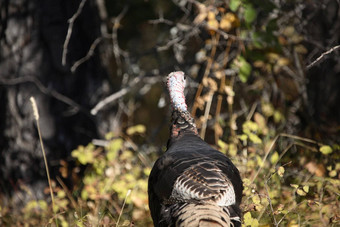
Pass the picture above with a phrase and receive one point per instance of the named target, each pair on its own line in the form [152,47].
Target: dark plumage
[192,184]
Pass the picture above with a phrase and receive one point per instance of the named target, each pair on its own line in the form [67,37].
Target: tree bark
[32,35]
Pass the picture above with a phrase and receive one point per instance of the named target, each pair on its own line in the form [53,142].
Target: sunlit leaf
[294,185]
[232,150]
[274,158]
[306,188]
[301,192]
[281,171]
[249,221]
[332,173]
[267,109]
[278,117]
[256,199]
[212,22]
[140,129]
[326,150]
[254,138]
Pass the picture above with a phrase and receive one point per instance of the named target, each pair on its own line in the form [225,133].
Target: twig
[270,202]
[121,211]
[206,72]
[206,114]
[73,202]
[114,36]
[322,56]
[265,157]
[273,143]
[114,96]
[88,55]
[161,20]
[36,116]
[44,90]
[69,31]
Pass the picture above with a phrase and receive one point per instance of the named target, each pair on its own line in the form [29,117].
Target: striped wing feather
[194,184]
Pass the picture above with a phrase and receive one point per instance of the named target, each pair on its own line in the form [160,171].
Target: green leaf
[326,150]
[249,13]
[234,4]
[243,67]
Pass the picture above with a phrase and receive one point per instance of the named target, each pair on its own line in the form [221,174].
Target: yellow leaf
[256,199]
[281,171]
[278,117]
[140,129]
[294,185]
[249,221]
[325,150]
[274,158]
[212,22]
[301,192]
[283,61]
[229,21]
[232,150]
[332,173]
[306,188]
[300,49]
[254,138]
[261,121]
[289,31]
[267,109]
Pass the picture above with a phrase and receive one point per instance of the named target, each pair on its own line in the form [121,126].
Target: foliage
[250,83]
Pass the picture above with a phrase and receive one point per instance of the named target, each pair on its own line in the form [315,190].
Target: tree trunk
[32,35]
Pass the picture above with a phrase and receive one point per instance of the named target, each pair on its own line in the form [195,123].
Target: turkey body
[193,184]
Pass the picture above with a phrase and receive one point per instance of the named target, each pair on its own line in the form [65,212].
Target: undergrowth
[250,89]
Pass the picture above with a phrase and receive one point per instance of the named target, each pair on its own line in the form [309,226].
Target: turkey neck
[182,122]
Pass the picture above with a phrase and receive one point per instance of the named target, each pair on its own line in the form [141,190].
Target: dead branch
[161,20]
[322,56]
[115,96]
[88,55]
[114,36]
[69,31]
[44,90]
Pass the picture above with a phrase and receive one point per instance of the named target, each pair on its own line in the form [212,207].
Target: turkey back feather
[192,184]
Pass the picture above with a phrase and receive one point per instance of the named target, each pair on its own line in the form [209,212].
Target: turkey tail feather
[199,215]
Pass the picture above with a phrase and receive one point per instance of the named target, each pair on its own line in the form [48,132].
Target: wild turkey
[192,184]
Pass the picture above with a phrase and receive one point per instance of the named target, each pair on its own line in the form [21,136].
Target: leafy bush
[247,68]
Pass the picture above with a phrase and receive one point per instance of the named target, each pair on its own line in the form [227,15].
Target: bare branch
[112,98]
[114,36]
[69,31]
[161,20]
[88,55]
[44,90]
[322,56]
